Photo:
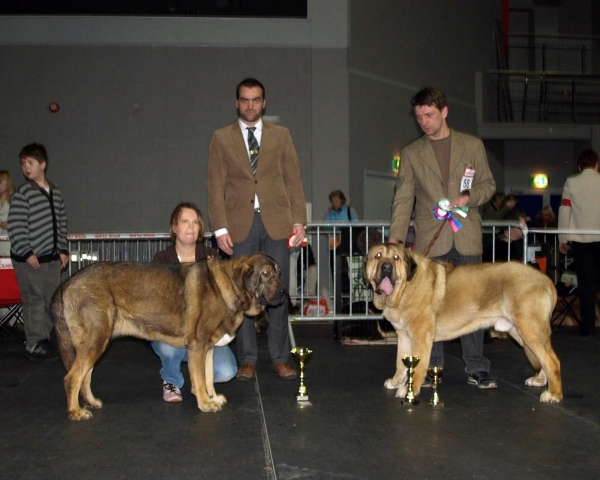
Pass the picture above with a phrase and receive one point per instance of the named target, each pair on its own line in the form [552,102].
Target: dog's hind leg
[539,379]
[86,391]
[73,381]
[536,342]
[210,377]
[78,380]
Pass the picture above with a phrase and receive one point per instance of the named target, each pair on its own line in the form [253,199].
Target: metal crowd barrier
[330,298]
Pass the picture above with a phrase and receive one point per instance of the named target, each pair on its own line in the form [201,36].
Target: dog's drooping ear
[411,266]
[241,271]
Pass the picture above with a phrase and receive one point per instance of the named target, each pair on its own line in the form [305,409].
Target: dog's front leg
[197,367]
[399,377]
[210,378]
[421,348]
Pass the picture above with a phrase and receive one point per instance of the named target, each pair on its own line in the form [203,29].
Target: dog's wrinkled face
[263,280]
[387,268]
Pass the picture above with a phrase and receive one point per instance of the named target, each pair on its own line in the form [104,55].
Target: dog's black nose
[387,269]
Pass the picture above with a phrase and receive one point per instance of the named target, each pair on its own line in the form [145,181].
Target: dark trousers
[472,343]
[37,286]
[279,341]
[587,268]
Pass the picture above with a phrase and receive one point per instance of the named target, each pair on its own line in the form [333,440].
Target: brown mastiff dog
[429,301]
[194,305]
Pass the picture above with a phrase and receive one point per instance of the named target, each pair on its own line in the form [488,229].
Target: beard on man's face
[250,115]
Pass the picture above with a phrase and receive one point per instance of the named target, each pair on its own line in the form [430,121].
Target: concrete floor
[355,428]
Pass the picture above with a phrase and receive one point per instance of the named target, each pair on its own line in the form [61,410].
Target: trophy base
[303,403]
[437,405]
[409,403]
[302,398]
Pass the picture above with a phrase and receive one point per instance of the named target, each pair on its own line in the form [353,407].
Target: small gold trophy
[302,354]
[436,373]
[410,362]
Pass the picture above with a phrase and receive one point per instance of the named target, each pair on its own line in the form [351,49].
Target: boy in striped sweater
[37,228]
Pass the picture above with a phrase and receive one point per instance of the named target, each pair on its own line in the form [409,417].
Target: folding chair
[10,297]
[567,297]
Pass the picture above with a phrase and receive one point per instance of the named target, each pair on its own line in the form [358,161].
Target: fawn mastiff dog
[194,305]
[429,301]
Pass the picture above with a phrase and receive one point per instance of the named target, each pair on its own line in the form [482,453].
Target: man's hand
[64,261]
[393,240]
[225,244]
[299,234]
[33,261]
[461,201]
[563,248]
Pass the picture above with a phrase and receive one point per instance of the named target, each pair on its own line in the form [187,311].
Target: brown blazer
[420,179]
[232,186]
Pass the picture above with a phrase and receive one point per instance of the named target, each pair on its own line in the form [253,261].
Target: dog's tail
[65,343]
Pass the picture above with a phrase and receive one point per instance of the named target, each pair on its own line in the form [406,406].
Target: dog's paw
[220,399]
[80,414]
[402,391]
[95,403]
[540,380]
[390,385]
[536,382]
[547,397]
[209,406]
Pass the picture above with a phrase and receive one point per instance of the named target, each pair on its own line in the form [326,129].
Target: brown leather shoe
[284,370]
[246,372]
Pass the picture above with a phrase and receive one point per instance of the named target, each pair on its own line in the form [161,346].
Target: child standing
[37,228]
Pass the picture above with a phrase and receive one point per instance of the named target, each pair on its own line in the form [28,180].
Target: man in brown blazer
[255,202]
[447,164]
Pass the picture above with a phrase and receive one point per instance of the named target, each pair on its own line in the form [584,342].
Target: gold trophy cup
[410,362]
[436,373]
[302,354]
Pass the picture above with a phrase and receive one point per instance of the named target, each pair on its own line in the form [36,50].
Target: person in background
[7,190]
[580,210]
[37,229]
[546,218]
[187,232]
[256,204]
[492,210]
[512,236]
[444,163]
[339,211]
[509,202]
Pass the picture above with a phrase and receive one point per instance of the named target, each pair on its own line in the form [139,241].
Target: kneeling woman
[187,228]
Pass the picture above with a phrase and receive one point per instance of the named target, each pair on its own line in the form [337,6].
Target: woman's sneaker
[482,380]
[171,393]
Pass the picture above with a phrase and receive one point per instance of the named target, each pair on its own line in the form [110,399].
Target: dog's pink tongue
[386,286]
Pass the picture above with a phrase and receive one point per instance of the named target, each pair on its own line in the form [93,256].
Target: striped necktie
[253,148]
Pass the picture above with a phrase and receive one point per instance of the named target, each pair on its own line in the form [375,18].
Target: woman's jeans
[224,363]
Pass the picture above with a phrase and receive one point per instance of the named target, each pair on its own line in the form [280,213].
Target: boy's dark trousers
[37,287]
